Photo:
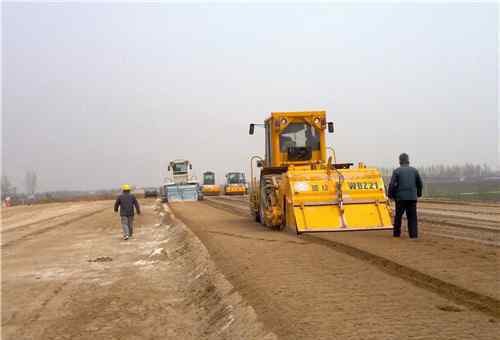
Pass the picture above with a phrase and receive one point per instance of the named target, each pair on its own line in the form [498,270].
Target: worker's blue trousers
[128,225]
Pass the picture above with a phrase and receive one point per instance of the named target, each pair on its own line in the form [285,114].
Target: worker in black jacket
[406,185]
[126,202]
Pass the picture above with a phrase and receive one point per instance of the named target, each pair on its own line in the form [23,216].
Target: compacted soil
[351,285]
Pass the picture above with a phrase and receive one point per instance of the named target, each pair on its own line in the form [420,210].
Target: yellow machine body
[301,189]
[235,189]
[209,188]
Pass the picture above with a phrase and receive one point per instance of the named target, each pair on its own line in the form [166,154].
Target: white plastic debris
[157,252]
[144,263]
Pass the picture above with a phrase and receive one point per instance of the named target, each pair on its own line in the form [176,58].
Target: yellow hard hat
[125,187]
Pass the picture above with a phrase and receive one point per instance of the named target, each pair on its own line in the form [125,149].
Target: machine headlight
[317,121]
[301,186]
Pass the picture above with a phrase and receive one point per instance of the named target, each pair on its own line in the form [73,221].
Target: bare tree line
[30,183]
[467,170]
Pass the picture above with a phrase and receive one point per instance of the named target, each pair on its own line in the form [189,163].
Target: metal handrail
[251,168]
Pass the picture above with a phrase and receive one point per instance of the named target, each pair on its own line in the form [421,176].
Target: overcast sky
[95,95]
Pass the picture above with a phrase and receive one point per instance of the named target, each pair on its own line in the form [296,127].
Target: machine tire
[265,180]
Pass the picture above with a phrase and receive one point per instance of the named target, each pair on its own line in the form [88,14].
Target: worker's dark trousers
[410,207]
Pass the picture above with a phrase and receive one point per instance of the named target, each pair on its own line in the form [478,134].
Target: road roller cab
[299,187]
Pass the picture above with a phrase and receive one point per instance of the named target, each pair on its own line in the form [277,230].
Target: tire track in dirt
[452,202]
[27,225]
[447,209]
[55,292]
[460,295]
[479,234]
[465,238]
[460,219]
[49,228]
[239,199]
[254,238]
[229,207]
[459,225]
[38,312]
[445,289]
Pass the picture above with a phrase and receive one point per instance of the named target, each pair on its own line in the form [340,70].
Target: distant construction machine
[303,190]
[236,184]
[209,188]
[181,185]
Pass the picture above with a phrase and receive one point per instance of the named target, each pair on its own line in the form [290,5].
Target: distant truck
[150,192]
[181,184]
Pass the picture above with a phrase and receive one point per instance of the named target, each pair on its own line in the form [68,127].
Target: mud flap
[318,218]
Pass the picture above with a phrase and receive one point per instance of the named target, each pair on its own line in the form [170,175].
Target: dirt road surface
[470,265]
[351,285]
[66,274]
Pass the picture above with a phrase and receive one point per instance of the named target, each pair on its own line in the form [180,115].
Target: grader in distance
[181,185]
[301,189]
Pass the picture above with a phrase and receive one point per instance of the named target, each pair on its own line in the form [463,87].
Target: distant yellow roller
[209,188]
[301,189]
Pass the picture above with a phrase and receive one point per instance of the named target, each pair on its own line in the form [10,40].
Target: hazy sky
[95,95]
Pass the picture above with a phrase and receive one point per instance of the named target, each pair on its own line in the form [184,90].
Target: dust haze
[95,95]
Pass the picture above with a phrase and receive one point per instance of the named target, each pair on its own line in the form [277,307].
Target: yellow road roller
[236,184]
[302,189]
[209,188]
